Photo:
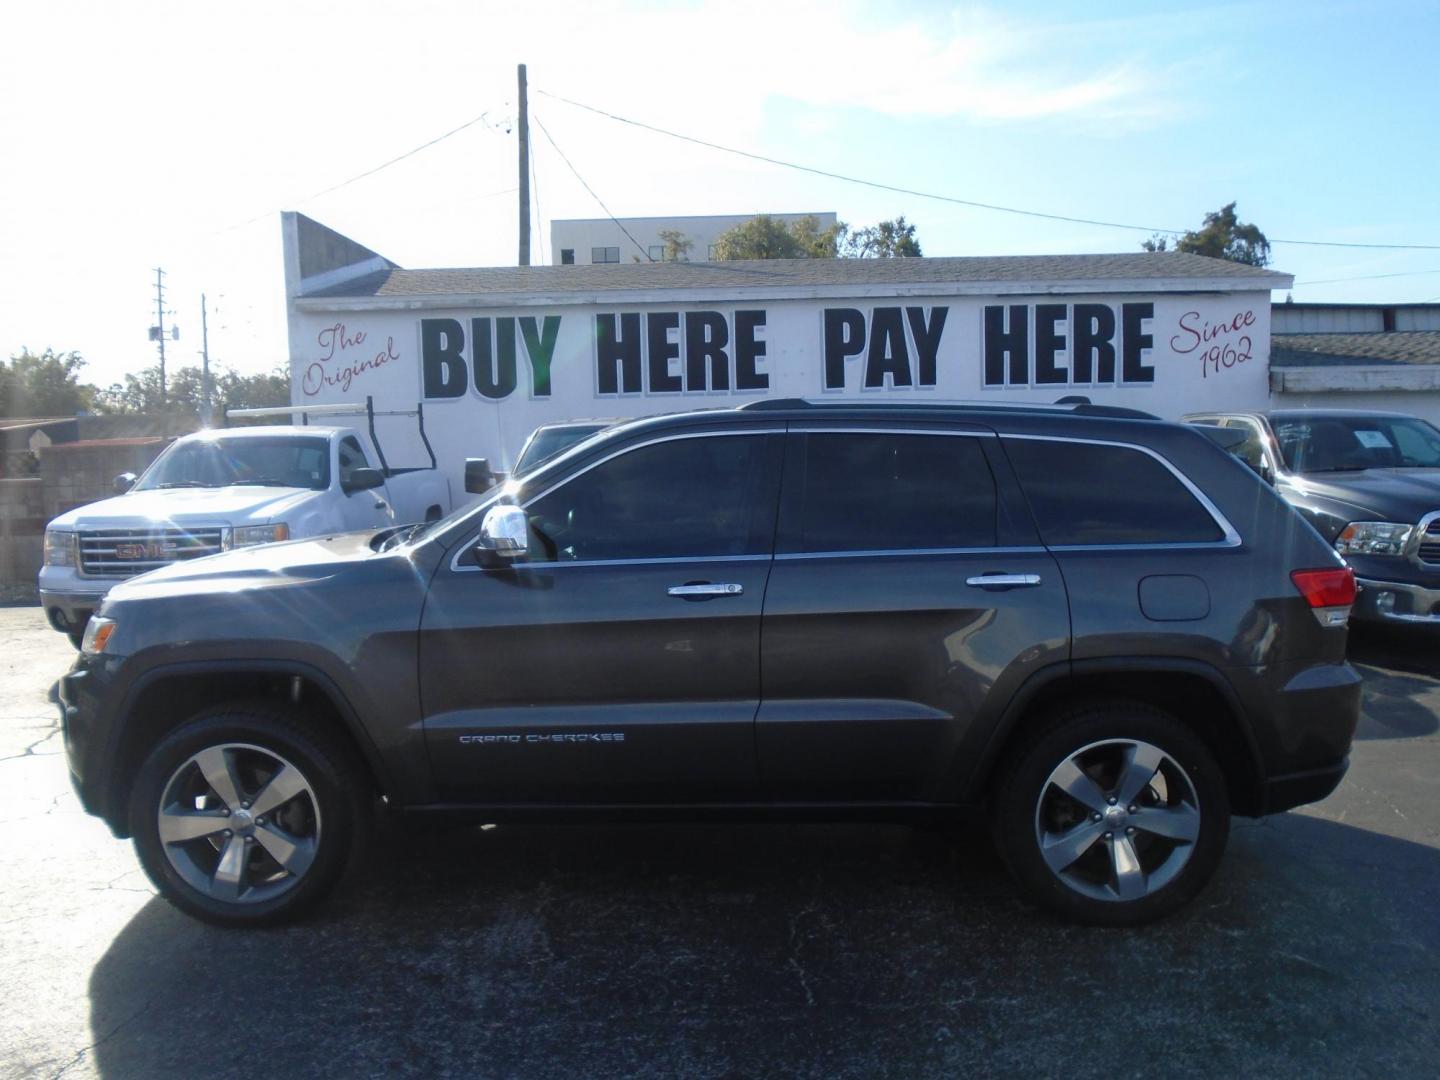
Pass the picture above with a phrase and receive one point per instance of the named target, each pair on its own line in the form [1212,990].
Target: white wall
[343,356]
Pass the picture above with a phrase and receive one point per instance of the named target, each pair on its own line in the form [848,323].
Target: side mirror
[124,482]
[1266,473]
[479,477]
[504,533]
[362,480]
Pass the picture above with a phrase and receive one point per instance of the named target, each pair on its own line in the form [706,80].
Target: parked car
[545,442]
[1370,484]
[223,489]
[1096,634]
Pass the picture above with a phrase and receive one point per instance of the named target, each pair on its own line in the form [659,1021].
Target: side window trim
[456,566]
[1230,538]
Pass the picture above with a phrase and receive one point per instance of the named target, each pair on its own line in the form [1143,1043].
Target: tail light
[1329,592]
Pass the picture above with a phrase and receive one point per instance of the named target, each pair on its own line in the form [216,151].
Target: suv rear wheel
[1113,815]
[248,814]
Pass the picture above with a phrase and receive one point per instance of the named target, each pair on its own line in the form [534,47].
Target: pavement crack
[793,960]
[81,1054]
[29,751]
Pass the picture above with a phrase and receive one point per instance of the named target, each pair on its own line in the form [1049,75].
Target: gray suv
[1094,633]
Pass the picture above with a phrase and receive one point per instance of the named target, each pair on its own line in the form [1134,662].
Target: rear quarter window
[1092,493]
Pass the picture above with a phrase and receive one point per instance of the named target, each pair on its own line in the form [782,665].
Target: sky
[151,134]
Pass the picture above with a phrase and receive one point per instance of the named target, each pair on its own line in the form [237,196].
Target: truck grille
[1430,543]
[121,553]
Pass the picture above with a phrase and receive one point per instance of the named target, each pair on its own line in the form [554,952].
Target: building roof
[1163,271]
[1355,350]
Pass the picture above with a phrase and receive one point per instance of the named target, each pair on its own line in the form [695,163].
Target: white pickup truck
[228,488]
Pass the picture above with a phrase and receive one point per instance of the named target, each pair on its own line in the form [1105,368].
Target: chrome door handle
[705,588]
[1003,581]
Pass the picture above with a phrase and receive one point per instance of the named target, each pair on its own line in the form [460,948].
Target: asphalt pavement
[745,951]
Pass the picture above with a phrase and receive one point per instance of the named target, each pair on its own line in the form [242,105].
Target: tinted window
[1082,493]
[887,492]
[700,497]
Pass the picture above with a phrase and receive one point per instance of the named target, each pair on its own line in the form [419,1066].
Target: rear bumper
[1397,602]
[1297,789]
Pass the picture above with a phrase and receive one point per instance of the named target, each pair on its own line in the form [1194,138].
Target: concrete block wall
[71,475]
[77,473]
[22,536]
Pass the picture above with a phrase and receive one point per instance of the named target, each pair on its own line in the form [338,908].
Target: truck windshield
[547,442]
[282,461]
[1311,444]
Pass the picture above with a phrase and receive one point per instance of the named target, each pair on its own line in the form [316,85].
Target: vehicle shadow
[1401,670]
[739,951]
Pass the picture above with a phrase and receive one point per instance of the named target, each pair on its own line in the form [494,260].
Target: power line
[947,198]
[1368,277]
[361,176]
[550,139]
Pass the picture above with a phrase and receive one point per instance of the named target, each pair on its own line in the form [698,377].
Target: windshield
[296,461]
[1311,444]
[546,442]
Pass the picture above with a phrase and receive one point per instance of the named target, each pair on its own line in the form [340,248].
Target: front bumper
[85,698]
[68,599]
[1396,602]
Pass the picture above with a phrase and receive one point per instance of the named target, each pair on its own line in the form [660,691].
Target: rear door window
[884,491]
[1100,494]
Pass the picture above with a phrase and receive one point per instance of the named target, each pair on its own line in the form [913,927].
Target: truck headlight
[1373,538]
[247,535]
[98,632]
[59,547]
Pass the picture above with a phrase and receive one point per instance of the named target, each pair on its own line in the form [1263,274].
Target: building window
[657,252]
[710,252]
[567,256]
[604,254]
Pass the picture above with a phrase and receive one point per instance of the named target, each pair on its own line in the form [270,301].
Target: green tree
[766,237]
[677,245]
[1222,236]
[44,384]
[892,239]
[140,393]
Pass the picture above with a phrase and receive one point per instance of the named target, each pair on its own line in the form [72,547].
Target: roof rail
[1081,407]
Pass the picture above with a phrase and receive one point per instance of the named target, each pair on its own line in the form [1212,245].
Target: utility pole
[524,130]
[160,324]
[205,411]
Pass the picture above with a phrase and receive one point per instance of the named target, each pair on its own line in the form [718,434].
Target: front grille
[118,553]
[1430,544]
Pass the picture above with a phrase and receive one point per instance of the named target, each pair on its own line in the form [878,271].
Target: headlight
[98,632]
[247,535]
[59,547]
[1373,538]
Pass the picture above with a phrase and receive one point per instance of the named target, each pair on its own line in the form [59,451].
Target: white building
[493,352]
[1357,356]
[603,240]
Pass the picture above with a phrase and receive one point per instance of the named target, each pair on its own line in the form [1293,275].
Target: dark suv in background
[1370,484]
[1093,633]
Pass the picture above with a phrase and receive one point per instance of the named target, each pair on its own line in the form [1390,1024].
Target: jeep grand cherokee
[1095,631]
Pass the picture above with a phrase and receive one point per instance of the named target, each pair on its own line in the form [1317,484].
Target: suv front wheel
[1112,815]
[247,814]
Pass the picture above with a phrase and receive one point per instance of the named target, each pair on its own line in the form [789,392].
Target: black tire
[1098,737]
[333,814]
[77,637]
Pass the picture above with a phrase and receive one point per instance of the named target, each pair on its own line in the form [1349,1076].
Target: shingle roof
[1338,350]
[791,273]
